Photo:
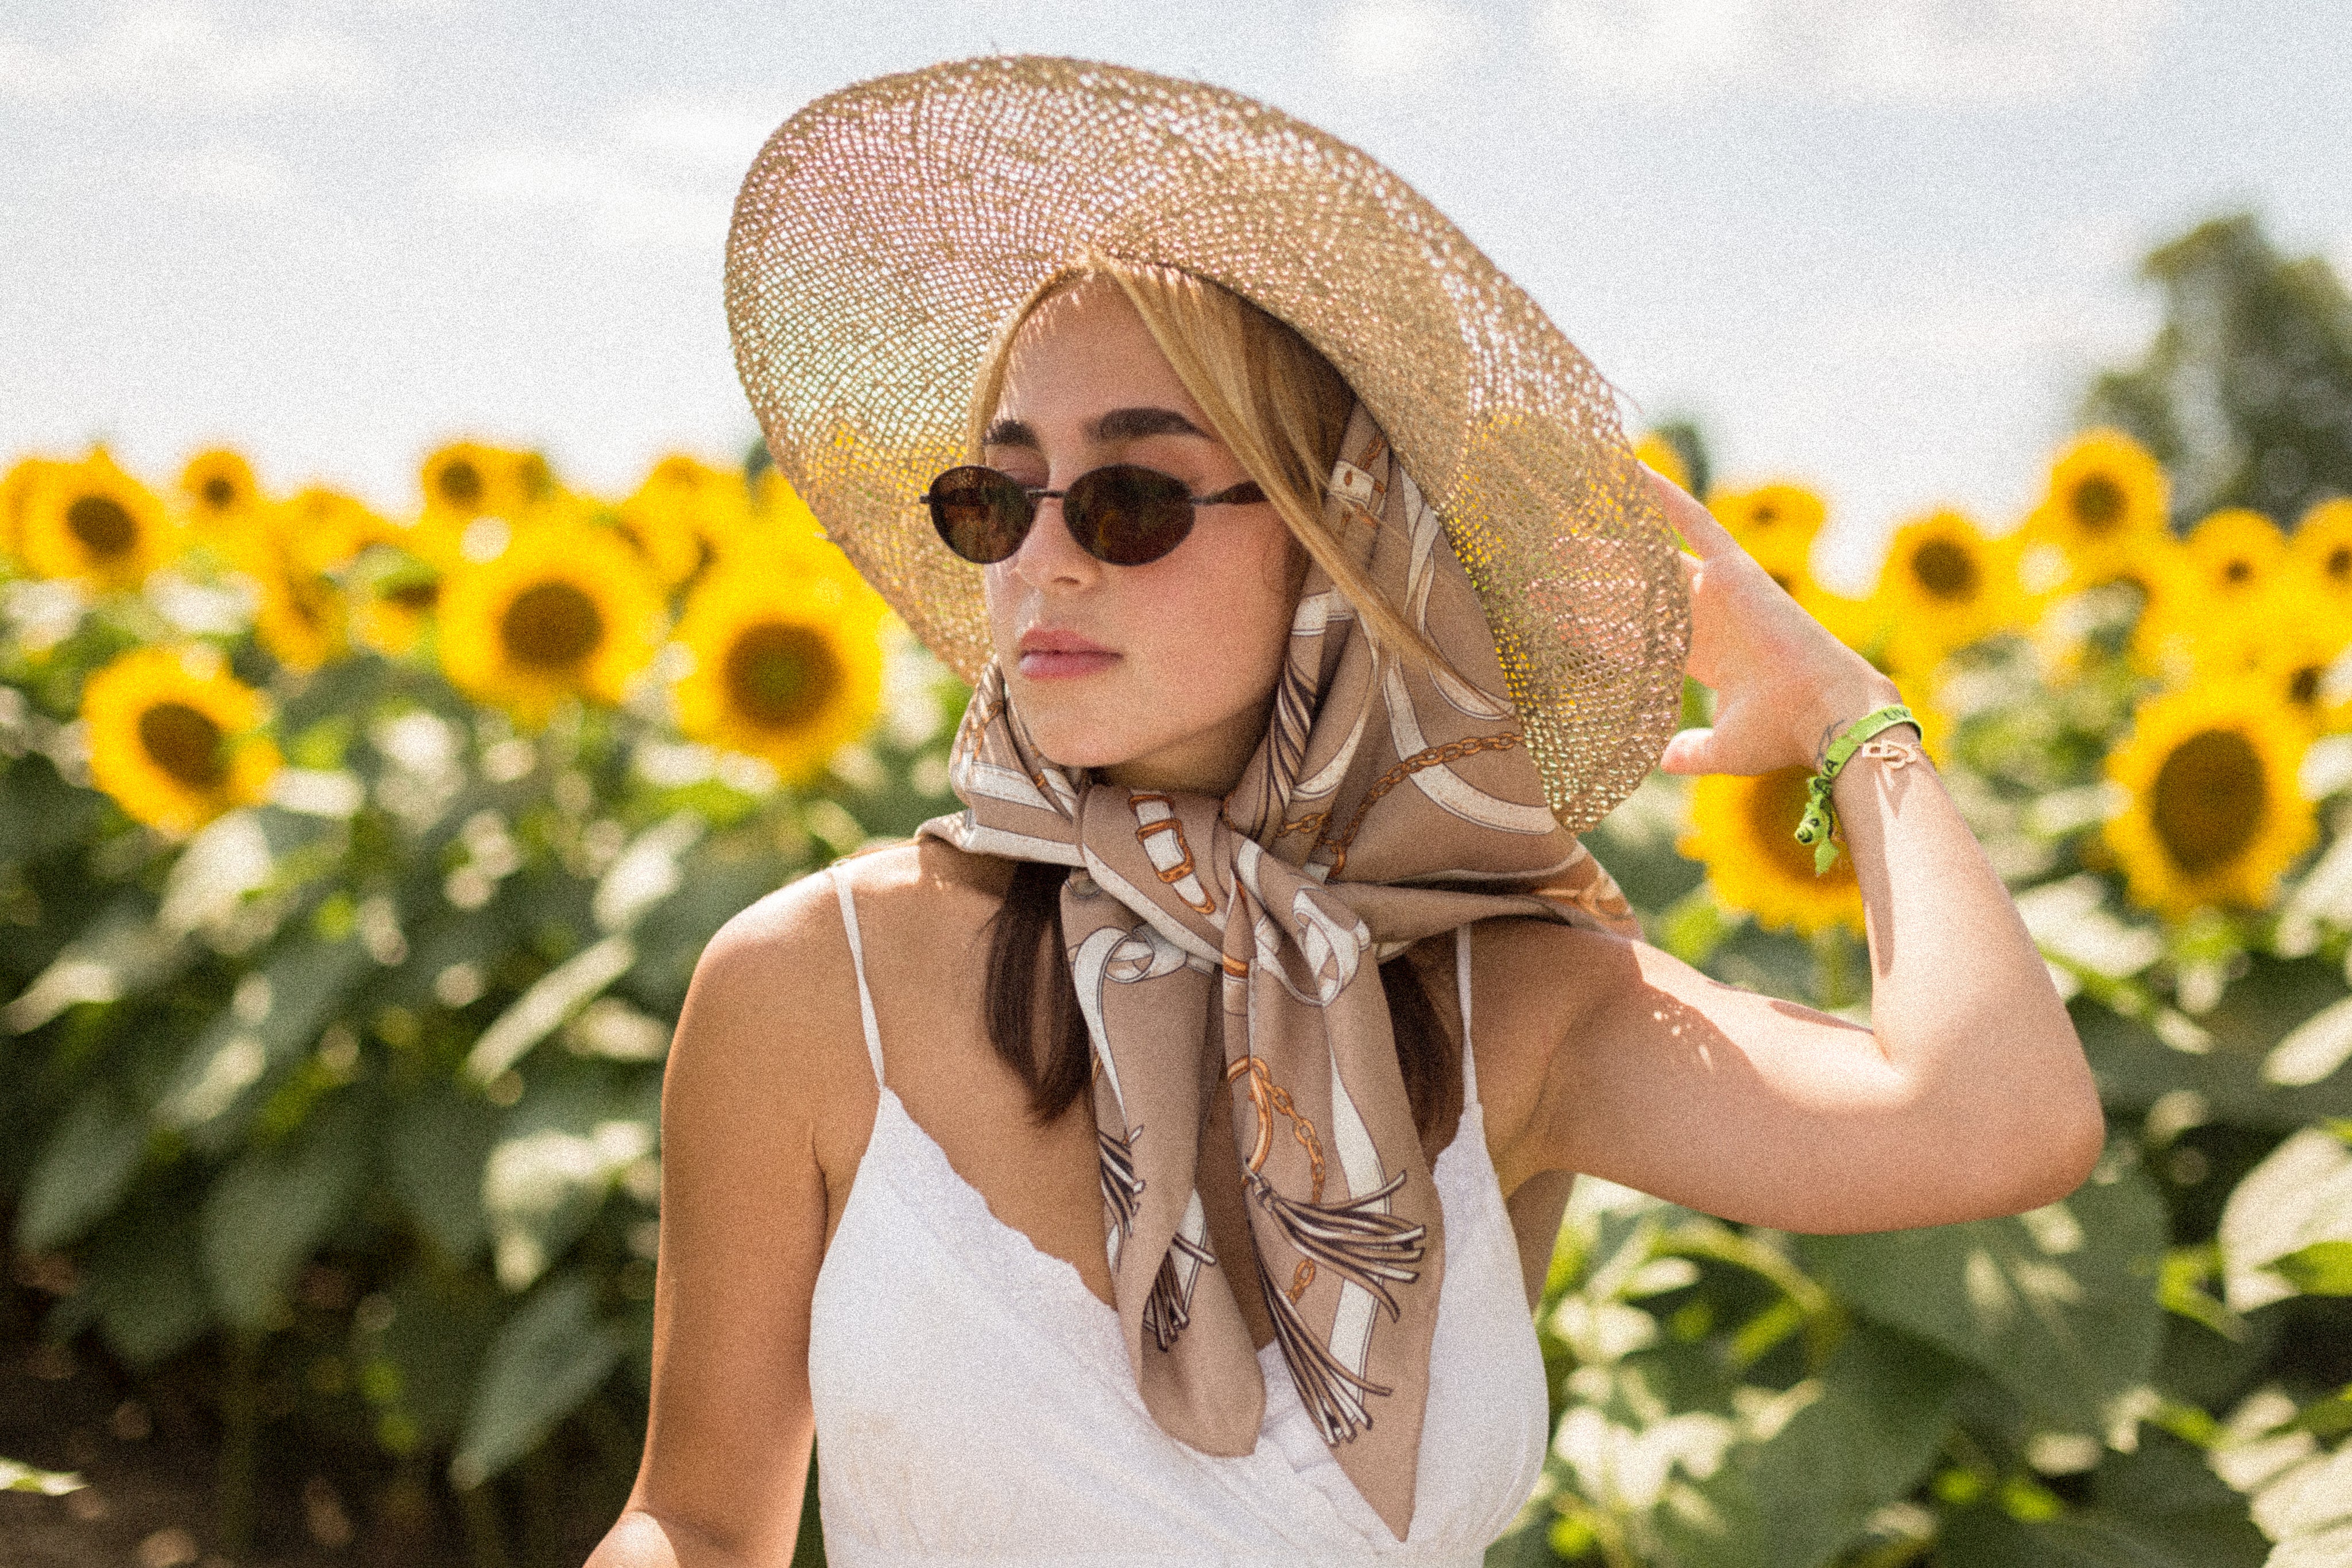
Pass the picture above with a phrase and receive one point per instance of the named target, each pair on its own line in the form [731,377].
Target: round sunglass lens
[981,514]
[1128,515]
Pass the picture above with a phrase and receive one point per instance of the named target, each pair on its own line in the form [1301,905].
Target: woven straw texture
[887,231]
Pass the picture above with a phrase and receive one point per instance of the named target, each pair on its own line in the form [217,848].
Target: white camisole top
[974,1403]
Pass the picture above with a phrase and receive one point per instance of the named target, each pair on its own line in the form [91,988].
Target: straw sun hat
[888,231]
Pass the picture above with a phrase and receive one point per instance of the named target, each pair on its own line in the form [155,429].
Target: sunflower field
[353,867]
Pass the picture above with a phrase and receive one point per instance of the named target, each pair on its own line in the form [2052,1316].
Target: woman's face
[1160,676]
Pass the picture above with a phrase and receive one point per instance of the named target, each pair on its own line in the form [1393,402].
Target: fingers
[1696,524]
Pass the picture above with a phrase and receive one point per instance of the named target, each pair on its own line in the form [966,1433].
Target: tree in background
[2245,395]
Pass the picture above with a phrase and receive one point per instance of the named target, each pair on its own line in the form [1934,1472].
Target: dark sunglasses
[1123,515]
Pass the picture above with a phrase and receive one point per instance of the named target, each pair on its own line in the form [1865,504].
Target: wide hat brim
[889,231]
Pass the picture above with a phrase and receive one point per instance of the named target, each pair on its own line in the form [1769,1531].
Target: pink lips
[1046,654]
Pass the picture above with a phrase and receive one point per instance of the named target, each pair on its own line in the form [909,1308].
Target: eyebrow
[1118,424]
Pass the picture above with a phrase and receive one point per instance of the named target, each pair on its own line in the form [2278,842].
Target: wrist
[1838,704]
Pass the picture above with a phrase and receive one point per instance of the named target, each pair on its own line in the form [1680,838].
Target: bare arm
[1968,1097]
[742,1233]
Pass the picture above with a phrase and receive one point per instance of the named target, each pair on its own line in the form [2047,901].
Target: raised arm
[754,1067]
[1967,1097]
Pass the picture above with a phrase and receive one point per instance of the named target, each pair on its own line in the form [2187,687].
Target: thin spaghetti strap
[858,962]
[1461,985]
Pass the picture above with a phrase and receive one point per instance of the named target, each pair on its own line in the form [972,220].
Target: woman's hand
[1783,685]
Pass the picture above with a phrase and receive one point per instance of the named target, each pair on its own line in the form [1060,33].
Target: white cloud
[182,53]
[1881,51]
[720,136]
[237,177]
[1397,38]
[615,202]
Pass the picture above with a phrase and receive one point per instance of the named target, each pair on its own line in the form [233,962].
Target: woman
[1158,1158]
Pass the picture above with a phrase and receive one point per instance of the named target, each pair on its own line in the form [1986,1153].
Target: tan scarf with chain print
[1234,943]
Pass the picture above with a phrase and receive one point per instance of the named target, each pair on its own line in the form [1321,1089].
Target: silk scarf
[1231,945]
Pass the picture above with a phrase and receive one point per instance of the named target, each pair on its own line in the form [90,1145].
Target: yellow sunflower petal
[1662,457]
[2108,494]
[1945,585]
[2216,814]
[1776,523]
[2321,549]
[2238,551]
[91,521]
[786,667]
[1745,831]
[561,611]
[172,738]
[218,485]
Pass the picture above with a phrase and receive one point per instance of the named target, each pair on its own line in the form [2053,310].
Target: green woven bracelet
[1819,819]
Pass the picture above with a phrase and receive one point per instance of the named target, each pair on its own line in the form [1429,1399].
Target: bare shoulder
[1537,985]
[921,893]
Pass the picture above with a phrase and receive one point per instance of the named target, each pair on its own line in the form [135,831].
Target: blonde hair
[1277,403]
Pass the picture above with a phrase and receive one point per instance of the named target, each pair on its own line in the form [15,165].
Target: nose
[1049,558]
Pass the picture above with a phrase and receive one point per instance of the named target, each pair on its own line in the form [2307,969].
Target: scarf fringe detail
[1333,1395]
[1363,1243]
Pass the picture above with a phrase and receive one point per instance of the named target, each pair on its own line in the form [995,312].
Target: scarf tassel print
[1231,946]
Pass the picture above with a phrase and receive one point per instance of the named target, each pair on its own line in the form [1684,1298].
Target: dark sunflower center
[2338,564]
[2237,571]
[1767,514]
[418,594]
[2302,689]
[2098,504]
[460,483]
[185,743]
[103,525]
[1774,806]
[535,476]
[1945,569]
[2209,800]
[219,493]
[779,675]
[552,626]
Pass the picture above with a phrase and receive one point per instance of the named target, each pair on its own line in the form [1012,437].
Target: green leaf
[2299,1196]
[434,1154]
[1863,1441]
[271,1208]
[433,1330]
[2322,1269]
[2058,1306]
[1988,1537]
[144,1282]
[83,1171]
[550,1356]
[278,1012]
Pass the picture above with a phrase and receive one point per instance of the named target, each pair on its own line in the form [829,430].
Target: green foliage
[2243,395]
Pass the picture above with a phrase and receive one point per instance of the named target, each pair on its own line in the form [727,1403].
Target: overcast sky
[1875,245]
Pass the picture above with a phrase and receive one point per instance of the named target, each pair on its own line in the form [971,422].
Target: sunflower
[300,617]
[2237,551]
[2287,640]
[1745,830]
[467,478]
[219,487]
[787,662]
[324,529]
[685,516]
[2107,496]
[2321,549]
[1775,523]
[16,487]
[1945,585]
[2216,815]
[92,521]
[174,738]
[1662,457]
[561,611]
[395,592]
